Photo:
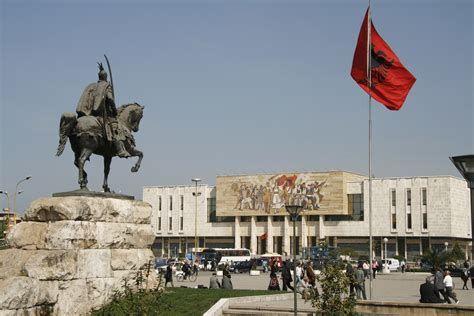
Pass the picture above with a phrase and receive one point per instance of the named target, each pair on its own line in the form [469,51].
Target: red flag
[264,236]
[391,81]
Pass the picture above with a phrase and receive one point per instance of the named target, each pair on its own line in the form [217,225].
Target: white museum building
[413,213]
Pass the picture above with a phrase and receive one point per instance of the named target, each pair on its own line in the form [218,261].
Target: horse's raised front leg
[134,152]
[85,154]
[107,162]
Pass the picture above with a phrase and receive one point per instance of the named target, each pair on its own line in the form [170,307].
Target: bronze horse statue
[86,135]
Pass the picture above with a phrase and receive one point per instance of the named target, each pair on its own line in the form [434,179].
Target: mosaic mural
[318,193]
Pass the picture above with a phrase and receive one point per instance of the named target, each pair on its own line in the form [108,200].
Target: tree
[335,298]
[434,258]
[457,253]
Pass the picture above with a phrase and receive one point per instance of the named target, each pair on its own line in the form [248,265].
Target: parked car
[161,264]
[241,267]
[393,264]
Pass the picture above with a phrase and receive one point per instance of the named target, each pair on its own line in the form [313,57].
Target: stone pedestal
[71,254]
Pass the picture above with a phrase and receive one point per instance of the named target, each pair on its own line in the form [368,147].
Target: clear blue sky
[232,87]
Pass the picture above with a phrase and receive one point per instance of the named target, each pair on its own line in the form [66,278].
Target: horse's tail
[68,120]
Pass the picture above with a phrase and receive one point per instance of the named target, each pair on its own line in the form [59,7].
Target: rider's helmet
[102,72]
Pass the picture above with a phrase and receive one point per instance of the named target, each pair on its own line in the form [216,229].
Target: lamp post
[196,194]
[385,241]
[294,211]
[446,246]
[465,165]
[16,193]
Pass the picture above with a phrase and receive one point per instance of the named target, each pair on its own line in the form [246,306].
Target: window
[181,223]
[423,195]
[355,207]
[278,218]
[212,213]
[170,223]
[409,221]
[425,221]
[393,195]
[159,223]
[409,197]
[313,218]
[262,218]
[394,221]
[181,199]
[245,218]
[171,203]
[159,203]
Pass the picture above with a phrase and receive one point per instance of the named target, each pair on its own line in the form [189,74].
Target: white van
[393,264]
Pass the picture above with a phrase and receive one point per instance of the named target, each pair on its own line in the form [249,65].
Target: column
[322,234]
[237,241]
[270,234]
[304,234]
[253,235]
[286,237]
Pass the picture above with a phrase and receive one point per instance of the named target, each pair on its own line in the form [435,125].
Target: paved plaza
[393,287]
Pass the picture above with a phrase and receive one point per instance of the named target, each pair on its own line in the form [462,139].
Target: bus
[222,255]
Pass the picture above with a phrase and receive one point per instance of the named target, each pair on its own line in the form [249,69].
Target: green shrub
[335,298]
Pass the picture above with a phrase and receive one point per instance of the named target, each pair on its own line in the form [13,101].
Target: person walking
[311,275]
[274,285]
[471,274]
[439,285]
[286,276]
[365,268]
[448,284]
[299,271]
[375,266]
[360,282]
[350,275]
[169,275]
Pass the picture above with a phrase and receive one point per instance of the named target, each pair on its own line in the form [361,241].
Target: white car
[393,264]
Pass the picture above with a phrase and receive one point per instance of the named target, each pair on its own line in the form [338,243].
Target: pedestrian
[449,286]
[310,274]
[286,276]
[471,274]
[365,268]
[226,278]
[465,278]
[350,276]
[274,285]
[402,264]
[440,288]
[428,292]
[375,266]
[299,272]
[214,282]
[360,282]
[169,275]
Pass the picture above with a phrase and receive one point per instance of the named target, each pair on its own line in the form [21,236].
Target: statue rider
[98,100]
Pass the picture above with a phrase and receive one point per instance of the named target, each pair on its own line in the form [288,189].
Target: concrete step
[267,310]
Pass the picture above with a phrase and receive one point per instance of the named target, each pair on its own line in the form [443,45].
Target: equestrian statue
[98,127]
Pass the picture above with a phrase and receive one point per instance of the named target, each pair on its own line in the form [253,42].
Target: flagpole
[369,73]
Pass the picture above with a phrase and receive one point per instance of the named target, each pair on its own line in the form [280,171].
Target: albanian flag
[390,80]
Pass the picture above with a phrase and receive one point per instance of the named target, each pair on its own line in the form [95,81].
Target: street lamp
[465,165]
[446,246]
[16,193]
[196,194]
[385,241]
[294,211]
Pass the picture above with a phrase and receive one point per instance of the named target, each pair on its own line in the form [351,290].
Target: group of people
[304,274]
[357,278]
[226,280]
[441,290]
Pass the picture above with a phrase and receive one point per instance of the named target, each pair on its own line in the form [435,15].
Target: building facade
[414,214]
